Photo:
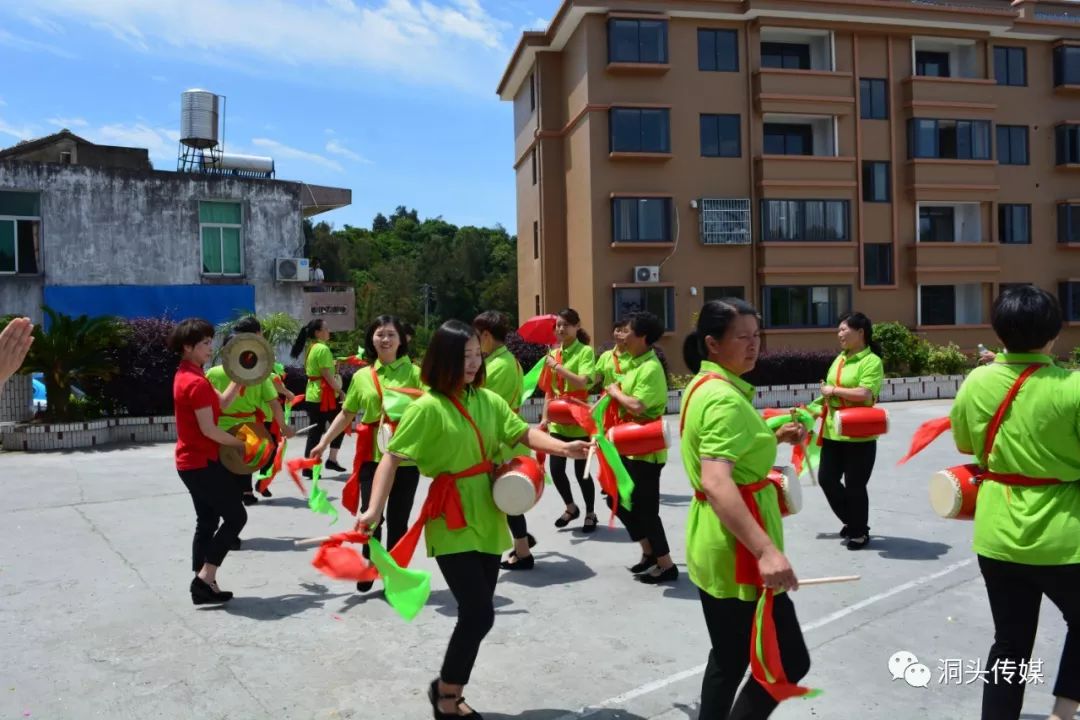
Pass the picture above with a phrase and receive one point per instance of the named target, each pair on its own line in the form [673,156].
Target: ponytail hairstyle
[570,316]
[306,333]
[714,320]
[858,321]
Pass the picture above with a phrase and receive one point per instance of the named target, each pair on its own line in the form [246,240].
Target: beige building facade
[904,159]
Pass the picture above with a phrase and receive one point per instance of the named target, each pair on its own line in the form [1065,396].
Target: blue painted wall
[215,303]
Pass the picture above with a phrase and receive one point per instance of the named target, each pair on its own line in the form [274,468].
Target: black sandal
[435,696]
[532,544]
[590,524]
[567,517]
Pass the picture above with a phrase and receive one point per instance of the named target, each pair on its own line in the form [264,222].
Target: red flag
[295,466]
[344,563]
[927,433]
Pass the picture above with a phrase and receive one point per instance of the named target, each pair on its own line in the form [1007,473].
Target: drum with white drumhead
[518,485]
[788,489]
[383,436]
[953,491]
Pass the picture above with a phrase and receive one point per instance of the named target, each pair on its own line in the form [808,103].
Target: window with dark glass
[533,166]
[804,220]
[1067,65]
[1012,144]
[718,50]
[931,63]
[937,224]
[878,264]
[788,56]
[1068,223]
[725,291]
[1010,65]
[660,301]
[640,130]
[805,306]
[720,136]
[641,219]
[532,92]
[536,240]
[20,233]
[873,99]
[1069,297]
[788,139]
[637,41]
[1067,144]
[937,305]
[1014,224]
[875,178]
[949,139]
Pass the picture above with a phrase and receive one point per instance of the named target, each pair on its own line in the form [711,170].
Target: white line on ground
[819,623]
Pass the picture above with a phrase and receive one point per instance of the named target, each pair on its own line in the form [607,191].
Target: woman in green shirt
[453,434]
[1027,518]
[503,376]
[734,534]
[641,394]
[614,363]
[853,380]
[573,368]
[392,368]
[323,387]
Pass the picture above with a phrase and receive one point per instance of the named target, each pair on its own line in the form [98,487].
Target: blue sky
[394,99]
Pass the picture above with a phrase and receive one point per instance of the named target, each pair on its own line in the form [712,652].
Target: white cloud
[19,132]
[63,122]
[454,42]
[161,142]
[32,46]
[334,147]
[280,150]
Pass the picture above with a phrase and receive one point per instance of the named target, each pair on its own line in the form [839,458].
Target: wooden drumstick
[308,542]
[829,580]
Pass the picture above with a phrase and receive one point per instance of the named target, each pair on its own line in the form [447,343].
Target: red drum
[633,439]
[559,413]
[768,413]
[861,422]
[518,485]
[953,491]
[788,489]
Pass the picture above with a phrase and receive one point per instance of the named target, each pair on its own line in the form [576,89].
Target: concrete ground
[96,620]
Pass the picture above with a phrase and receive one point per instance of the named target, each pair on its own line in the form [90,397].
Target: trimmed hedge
[790,367]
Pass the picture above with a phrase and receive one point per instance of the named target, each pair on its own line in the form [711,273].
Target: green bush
[902,352]
[947,360]
[1074,357]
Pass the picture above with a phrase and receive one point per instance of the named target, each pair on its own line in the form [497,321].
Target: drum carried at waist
[861,422]
[631,439]
[383,436]
[558,412]
[253,434]
[953,491]
[518,485]
[788,489]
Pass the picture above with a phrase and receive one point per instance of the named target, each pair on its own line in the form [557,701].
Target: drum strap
[690,395]
[443,498]
[992,431]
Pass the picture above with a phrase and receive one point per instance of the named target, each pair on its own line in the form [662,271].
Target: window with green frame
[221,230]
[20,233]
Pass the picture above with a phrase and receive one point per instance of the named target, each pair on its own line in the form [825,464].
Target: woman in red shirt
[198,405]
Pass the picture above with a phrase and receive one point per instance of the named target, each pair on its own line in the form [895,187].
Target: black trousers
[853,462]
[643,521]
[398,505]
[562,483]
[729,622]
[519,529]
[214,493]
[1016,592]
[321,420]
[471,577]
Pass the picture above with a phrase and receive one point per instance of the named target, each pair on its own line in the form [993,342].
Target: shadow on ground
[550,714]
[552,568]
[278,606]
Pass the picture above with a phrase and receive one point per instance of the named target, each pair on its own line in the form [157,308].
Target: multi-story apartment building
[903,158]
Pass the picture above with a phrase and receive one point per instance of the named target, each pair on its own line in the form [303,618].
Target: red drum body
[518,485]
[788,489]
[953,491]
[558,412]
[861,422]
[633,439]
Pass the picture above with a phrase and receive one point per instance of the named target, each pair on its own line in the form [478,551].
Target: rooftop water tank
[199,119]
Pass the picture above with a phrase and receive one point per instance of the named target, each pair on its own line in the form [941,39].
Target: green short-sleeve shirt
[440,440]
[720,423]
[864,369]
[242,409]
[606,372]
[647,382]
[503,376]
[319,358]
[362,399]
[1039,437]
[579,359]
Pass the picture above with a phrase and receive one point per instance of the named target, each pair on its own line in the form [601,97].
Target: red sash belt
[365,451]
[443,500]
[327,399]
[746,566]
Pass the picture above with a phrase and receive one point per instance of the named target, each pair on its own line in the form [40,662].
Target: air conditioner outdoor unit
[647,274]
[292,270]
